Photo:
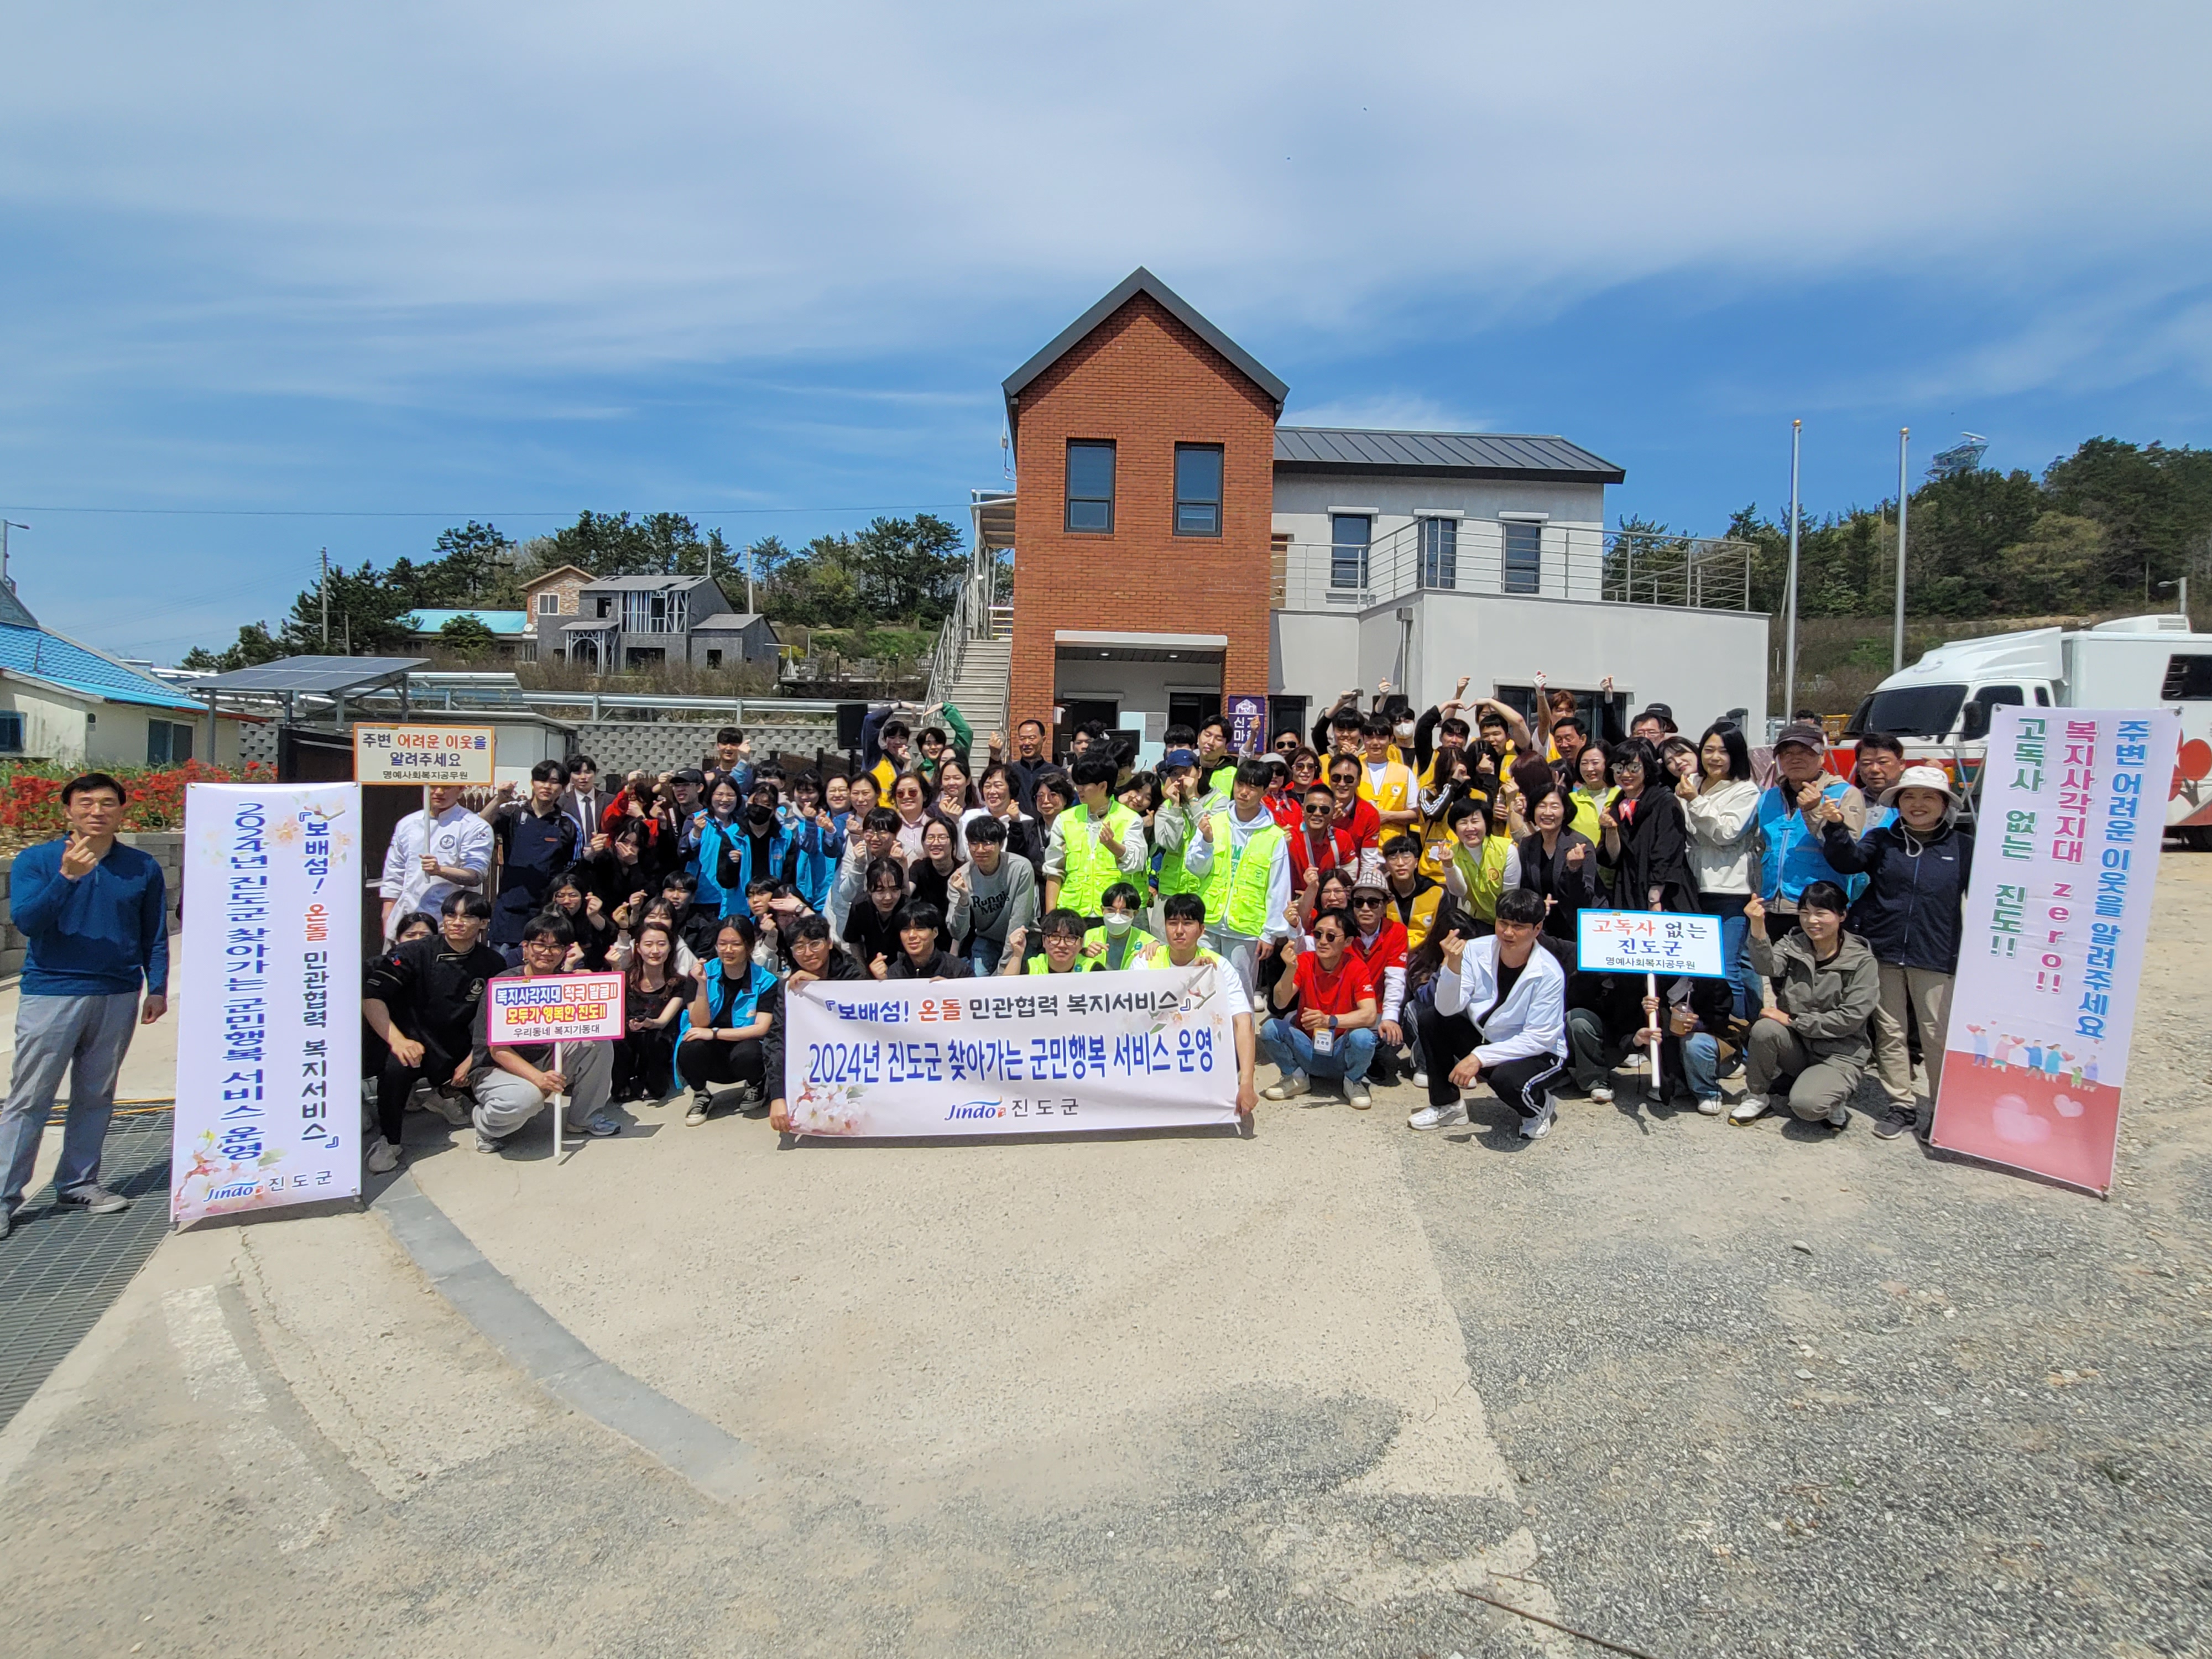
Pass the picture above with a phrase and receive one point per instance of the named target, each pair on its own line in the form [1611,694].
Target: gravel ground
[1773,1393]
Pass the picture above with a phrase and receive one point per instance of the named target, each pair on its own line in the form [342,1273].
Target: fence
[1531,558]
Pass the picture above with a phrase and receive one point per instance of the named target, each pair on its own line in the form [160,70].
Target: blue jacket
[1911,913]
[713,837]
[1790,856]
[93,937]
[816,849]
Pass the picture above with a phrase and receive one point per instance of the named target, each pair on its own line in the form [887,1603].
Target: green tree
[252,648]
[468,638]
[615,544]
[909,568]
[2049,569]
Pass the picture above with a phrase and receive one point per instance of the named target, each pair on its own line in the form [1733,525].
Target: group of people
[1395,894]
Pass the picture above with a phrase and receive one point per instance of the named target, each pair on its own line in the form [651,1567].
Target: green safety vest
[1237,885]
[1173,878]
[1139,939]
[1043,964]
[1486,878]
[1088,869]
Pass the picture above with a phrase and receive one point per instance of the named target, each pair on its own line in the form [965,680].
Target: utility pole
[1904,499]
[326,601]
[1789,606]
[749,580]
[6,524]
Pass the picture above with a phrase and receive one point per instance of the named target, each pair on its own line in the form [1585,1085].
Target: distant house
[551,597]
[510,629]
[63,701]
[629,622]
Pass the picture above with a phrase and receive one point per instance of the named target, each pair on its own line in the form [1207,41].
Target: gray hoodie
[1828,1003]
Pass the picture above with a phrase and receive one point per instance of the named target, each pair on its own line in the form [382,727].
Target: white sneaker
[1601,1093]
[1711,1108]
[1536,1127]
[1437,1118]
[1749,1110]
[1292,1085]
[1421,1079]
[383,1157]
[1356,1096]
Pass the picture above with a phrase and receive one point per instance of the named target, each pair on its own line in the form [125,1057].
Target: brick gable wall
[1145,381]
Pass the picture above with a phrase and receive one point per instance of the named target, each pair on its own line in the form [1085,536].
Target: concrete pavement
[1282,1394]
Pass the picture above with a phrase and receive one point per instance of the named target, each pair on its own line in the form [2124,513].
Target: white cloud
[1401,411]
[357,201]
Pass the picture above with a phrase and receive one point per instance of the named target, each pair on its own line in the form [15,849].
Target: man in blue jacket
[95,916]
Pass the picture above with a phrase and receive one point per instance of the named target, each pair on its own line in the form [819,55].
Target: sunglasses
[1320,806]
[1370,902]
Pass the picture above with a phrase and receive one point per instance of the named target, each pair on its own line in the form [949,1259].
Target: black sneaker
[1895,1122]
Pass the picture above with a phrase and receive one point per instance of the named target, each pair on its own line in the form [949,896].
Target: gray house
[627,622]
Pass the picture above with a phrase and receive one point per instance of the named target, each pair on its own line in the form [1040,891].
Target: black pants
[442,1057]
[1448,1039]
[645,1061]
[705,1064]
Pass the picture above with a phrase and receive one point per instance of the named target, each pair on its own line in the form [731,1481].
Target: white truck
[1940,705]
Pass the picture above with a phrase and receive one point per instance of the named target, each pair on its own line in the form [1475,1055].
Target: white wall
[1142,687]
[1571,561]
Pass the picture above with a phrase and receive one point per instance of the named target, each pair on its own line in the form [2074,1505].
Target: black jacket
[1655,852]
[433,991]
[531,852]
[1569,890]
[942,965]
[1910,914]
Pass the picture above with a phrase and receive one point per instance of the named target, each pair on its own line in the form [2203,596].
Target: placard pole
[560,1105]
[1651,990]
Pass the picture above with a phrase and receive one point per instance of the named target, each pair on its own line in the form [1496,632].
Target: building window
[167,743]
[607,605]
[11,733]
[713,660]
[1198,490]
[1440,552]
[549,605]
[1090,486]
[1348,535]
[1524,558]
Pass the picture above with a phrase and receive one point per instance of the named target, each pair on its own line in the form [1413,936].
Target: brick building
[1146,438]
[1176,554]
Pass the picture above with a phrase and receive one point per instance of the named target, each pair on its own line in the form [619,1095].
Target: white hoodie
[1533,1018]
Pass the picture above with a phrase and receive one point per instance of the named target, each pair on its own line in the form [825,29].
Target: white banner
[1029,1055]
[269,1033]
[1649,942]
[554,1008]
[2066,848]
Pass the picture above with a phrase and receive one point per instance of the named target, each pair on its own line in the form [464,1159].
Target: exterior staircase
[973,668]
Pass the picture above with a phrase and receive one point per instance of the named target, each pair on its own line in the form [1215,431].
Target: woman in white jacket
[1500,1017]
[1722,804]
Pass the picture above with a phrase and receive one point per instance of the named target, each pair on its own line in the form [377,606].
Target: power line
[533,513]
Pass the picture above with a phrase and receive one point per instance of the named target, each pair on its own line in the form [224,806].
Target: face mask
[1404,732]
[1118,925]
[759,818]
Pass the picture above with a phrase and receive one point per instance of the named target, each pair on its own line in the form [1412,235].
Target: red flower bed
[31,797]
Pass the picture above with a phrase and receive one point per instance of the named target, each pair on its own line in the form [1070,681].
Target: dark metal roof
[642,584]
[1353,451]
[326,676]
[1140,280]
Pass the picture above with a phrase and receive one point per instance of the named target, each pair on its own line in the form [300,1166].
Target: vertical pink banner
[2066,848]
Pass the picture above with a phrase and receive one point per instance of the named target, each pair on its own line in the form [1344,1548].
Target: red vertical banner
[2066,848]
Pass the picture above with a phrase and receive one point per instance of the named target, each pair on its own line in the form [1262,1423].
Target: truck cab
[1942,705]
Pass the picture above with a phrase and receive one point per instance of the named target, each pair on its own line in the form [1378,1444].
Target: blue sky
[293,280]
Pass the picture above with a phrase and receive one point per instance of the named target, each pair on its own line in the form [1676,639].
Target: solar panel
[326,676]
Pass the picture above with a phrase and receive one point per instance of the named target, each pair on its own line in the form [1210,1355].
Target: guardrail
[1540,561]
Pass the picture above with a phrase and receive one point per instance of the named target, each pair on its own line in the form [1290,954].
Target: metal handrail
[1578,561]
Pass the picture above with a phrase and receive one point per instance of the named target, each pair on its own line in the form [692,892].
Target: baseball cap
[1176,758]
[688,774]
[1804,732]
[1657,711]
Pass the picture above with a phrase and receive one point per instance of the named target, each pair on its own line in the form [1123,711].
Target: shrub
[31,795]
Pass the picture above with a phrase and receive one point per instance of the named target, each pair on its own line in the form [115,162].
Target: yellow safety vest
[1484,878]
[1236,886]
[1088,869]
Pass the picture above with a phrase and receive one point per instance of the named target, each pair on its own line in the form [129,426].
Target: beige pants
[1930,994]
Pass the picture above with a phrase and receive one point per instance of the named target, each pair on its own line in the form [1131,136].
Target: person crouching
[1500,1017]
[514,1082]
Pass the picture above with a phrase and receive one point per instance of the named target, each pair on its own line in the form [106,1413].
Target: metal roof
[1354,451]
[14,613]
[500,622]
[47,656]
[1140,280]
[641,584]
[727,619]
[324,676]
